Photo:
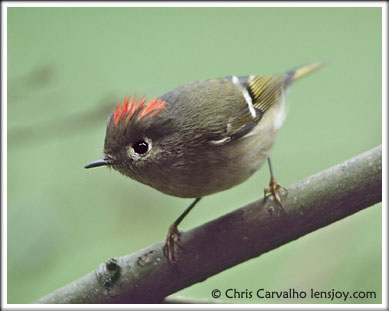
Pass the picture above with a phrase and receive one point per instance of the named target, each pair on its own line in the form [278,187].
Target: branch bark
[147,277]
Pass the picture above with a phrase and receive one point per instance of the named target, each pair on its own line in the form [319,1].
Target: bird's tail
[304,70]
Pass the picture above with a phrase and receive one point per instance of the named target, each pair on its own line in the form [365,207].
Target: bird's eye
[140,150]
[141,147]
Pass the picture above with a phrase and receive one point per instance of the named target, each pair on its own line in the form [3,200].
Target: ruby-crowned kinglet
[200,138]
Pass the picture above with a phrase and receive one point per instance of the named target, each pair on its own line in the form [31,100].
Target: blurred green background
[67,68]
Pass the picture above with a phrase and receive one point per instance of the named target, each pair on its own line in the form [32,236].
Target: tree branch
[147,277]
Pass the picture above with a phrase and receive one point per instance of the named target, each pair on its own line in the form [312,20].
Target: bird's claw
[273,190]
[172,239]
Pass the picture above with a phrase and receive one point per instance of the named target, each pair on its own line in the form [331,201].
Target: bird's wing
[259,93]
[222,110]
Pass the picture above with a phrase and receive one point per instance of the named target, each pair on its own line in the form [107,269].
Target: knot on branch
[108,273]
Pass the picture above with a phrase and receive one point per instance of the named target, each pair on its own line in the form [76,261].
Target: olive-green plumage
[210,135]
[200,138]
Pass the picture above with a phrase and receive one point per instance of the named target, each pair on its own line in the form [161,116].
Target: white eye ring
[140,149]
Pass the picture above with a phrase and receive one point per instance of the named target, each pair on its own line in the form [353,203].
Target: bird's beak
[99,162]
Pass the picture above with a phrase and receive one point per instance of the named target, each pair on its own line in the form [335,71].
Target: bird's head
[132,136]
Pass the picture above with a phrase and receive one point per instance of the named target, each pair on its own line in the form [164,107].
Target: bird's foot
[172,239]
[273,190]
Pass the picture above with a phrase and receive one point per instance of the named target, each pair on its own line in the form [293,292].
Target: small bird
[200,138]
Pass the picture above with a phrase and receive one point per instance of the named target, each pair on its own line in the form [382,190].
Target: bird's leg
[173,235]
[274,186]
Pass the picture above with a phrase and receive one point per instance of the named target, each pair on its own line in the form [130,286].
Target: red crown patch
[128,109]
